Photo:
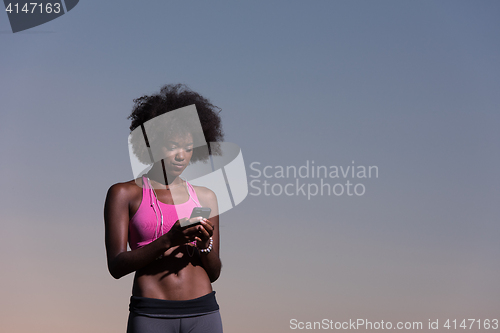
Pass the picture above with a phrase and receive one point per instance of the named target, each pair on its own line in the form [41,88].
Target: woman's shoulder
[203,192]
[207,198]
[125,190]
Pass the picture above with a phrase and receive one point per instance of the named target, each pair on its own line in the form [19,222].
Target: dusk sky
[408,88]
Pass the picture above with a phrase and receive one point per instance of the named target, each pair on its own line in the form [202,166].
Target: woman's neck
[159,179]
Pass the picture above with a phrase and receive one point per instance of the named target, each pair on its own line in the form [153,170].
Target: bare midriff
[176,276]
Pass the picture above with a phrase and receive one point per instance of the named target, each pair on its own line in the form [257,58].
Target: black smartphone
[197,211]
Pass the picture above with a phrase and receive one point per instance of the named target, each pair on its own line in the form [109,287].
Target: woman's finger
[208,226]
[208,232]
[207,221]
[204,232]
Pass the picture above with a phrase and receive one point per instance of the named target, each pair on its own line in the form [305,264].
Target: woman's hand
[178,235]
[205,232]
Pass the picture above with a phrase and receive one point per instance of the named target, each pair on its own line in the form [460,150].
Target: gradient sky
[409,87]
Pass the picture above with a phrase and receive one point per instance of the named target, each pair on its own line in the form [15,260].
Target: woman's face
[178,152]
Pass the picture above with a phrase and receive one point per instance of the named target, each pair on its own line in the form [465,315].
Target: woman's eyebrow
[178,144]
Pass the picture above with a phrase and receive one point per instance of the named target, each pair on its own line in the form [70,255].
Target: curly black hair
[172,97]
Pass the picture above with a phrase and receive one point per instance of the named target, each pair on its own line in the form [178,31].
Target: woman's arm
[210,228]
[116,218]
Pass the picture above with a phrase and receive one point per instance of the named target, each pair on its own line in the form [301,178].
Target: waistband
[159,308]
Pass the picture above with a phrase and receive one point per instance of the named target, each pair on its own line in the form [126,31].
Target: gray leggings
[209,323]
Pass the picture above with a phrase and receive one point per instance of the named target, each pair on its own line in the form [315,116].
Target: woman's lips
[178,166]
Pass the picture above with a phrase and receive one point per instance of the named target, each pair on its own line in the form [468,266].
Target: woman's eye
[188,150]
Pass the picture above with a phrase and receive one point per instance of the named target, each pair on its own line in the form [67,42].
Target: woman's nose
[180,155]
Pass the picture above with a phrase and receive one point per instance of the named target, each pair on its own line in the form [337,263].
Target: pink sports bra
[145,226]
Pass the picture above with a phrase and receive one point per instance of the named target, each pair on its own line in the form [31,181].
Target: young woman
[174,266]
